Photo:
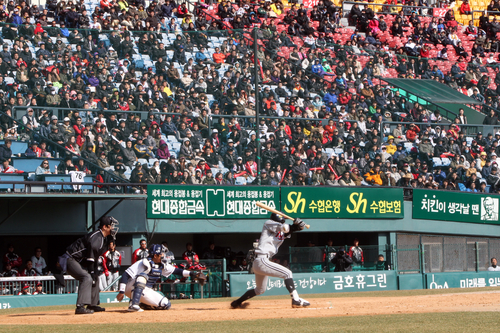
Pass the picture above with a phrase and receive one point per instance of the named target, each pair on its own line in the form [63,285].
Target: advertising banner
[205,202]
[317,283]
[455,206]
[343,202]
[462,280]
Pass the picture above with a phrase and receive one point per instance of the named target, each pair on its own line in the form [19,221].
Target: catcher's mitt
[202,278]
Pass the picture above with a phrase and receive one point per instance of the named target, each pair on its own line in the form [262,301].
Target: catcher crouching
[139,279]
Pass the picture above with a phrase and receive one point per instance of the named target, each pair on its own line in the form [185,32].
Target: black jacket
[5,152]
[88,248]
[342,263]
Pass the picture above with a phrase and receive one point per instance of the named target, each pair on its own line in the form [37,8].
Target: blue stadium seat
[18,147]
[30,164]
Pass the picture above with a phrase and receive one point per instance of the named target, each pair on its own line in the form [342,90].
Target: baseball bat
[272,210]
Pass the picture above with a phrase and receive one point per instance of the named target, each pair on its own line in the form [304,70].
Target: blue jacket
[329,97]
[17,20]
[317,69]
[200,56]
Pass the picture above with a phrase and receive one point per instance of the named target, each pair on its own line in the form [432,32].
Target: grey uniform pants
[263,268]
[87,293]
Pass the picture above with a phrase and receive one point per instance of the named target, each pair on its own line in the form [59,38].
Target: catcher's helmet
[155,249]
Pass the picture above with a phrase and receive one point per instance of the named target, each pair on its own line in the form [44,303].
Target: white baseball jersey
[151,269]
[38,264]
[271,238]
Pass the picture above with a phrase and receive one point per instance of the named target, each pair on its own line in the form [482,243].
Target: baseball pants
[110,278]
[263,268]
[102,281]
[149,296]
[88,294]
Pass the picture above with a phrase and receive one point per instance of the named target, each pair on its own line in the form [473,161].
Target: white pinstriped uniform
[271,238]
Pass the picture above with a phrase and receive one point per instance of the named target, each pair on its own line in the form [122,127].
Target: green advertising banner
[462,280]
[455,206]
[202,202]
[317,283]
[343,202]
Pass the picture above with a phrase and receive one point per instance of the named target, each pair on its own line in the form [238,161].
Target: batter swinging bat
[272,210]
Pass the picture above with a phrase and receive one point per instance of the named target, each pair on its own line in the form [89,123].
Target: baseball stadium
[249,166]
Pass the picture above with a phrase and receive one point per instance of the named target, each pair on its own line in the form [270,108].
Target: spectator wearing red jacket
[78,127]
[344,97]
[38,29]
[465,8]
[190,256]
[141,253]
[12,258]
[411,134]
[425,51]
[182,11]
[106,5]
[356,252]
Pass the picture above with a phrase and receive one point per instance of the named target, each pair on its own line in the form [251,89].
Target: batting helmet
[277,218]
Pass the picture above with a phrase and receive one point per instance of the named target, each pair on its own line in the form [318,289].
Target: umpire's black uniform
[82,258]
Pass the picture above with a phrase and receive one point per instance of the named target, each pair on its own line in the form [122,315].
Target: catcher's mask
[111,221]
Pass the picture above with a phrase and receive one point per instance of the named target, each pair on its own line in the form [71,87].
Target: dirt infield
[274,308]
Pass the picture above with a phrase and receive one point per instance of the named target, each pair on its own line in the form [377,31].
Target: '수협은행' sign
[345,203]
[455,206]
[217,202]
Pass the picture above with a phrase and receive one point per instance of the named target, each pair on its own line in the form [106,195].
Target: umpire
[80,261]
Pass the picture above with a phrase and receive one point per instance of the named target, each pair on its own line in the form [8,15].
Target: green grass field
[428,322]
[424,322]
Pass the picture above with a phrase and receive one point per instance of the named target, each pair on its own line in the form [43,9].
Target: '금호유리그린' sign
[314,283]
[345,203]
[217,202]
[455,206]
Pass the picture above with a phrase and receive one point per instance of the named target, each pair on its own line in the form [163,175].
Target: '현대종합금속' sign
[200,202]
[455,206]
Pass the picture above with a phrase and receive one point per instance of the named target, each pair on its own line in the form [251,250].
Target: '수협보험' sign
[346,203]
[455,206]
[221,202]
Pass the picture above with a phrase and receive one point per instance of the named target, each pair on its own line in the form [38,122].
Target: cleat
[82,310]
[301,303]
[236,305]
[96,308]
[135,308]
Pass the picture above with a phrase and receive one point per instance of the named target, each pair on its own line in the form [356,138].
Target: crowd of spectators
[325,93]
[13,266]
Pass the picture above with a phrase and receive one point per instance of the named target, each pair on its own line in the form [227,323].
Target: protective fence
[178,287]
[316,259]
[50,285]
[434,254]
